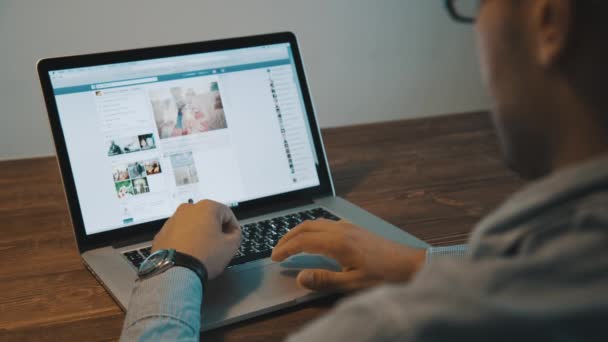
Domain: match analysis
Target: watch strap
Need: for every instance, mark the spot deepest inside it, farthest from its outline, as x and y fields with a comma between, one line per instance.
x=192, y=263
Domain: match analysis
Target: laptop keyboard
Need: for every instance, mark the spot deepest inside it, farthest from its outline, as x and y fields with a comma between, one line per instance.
x=259, y=238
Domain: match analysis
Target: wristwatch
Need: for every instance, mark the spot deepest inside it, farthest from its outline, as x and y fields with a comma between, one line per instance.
x=163, y=259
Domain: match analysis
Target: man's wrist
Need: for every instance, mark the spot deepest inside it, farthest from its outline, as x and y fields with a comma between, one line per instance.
x=162, y=260
x=417, y=260
x=408, y=263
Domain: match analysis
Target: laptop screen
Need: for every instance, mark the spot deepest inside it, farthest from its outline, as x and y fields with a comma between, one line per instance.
x=145, y=136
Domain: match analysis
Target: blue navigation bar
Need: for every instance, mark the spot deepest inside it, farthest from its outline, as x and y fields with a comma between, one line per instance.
x=170, y=77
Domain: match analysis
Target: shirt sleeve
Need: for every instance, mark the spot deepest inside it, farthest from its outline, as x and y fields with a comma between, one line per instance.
x=166, y=307
x=400, y=312
x=454, y=252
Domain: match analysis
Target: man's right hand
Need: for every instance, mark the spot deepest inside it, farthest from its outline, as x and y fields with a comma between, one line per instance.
x=366, y=259
x=206, y=230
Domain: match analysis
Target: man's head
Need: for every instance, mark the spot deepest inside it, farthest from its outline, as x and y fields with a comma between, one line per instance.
x=543, y=62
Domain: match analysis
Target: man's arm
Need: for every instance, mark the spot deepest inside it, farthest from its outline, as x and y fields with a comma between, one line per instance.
x=440, y=304
x=167, y=307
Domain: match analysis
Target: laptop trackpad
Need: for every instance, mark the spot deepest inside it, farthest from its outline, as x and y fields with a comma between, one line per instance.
x=280, y=282
x=302, y=261
x=238, y=293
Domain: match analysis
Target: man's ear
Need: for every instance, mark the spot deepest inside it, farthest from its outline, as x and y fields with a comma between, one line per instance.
x=552, y=23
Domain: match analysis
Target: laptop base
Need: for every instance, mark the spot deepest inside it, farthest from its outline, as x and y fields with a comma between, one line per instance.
x=251, y=289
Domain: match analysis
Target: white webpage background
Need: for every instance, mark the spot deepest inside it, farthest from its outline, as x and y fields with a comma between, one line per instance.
x=257, y=135
x=254, y=154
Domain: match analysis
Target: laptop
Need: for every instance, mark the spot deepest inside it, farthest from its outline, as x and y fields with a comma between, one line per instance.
x=139, y=132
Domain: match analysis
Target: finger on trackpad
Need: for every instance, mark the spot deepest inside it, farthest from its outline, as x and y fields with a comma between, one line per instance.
x=301, y=261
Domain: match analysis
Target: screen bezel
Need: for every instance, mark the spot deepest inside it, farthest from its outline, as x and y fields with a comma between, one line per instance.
x=87, y=242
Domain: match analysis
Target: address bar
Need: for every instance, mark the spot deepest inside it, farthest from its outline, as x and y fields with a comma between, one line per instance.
x=173, y=64
x=124, y=83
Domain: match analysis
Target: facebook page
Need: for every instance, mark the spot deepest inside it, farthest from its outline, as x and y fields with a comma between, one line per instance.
x=144, y=137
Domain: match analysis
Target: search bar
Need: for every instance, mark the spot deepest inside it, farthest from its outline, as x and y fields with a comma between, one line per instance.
x=124, y=83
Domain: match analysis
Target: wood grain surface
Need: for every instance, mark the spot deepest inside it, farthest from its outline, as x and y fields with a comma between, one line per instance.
x=434, y=177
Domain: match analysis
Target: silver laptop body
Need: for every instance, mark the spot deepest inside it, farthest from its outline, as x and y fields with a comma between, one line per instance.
x=137, y=132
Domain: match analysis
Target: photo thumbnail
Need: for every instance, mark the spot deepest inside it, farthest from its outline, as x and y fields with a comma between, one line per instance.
x=123, y=145
x=124, y=189
x=120, y=173
x=136, y=170
x=131, y=179
x=152, y=167
x=184, y=169
x=186, y=110
x=140, y=186
x=146, y=141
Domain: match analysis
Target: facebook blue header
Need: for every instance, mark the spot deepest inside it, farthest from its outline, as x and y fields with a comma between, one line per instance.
x=168, y=69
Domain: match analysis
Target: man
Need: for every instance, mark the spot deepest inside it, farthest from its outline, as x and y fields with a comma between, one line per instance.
x=537, y=269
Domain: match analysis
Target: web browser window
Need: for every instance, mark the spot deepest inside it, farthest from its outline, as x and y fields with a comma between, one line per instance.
x=146, y=136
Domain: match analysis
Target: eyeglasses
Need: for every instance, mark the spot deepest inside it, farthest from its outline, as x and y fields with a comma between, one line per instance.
x=464, y=11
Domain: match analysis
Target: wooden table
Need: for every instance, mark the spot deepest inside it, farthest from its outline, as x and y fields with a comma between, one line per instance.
x=434, y=177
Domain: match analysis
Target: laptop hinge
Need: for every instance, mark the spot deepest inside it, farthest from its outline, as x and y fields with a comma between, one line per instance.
x=134, y=240
x=273, y=208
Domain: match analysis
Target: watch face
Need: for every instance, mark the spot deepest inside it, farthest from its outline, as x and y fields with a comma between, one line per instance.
x=153, y=262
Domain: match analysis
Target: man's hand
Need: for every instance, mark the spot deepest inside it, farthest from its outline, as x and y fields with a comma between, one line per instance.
x=366, y=259
x=206, y=230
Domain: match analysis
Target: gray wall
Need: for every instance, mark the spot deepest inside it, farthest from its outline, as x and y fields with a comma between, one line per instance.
x=367, y=60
